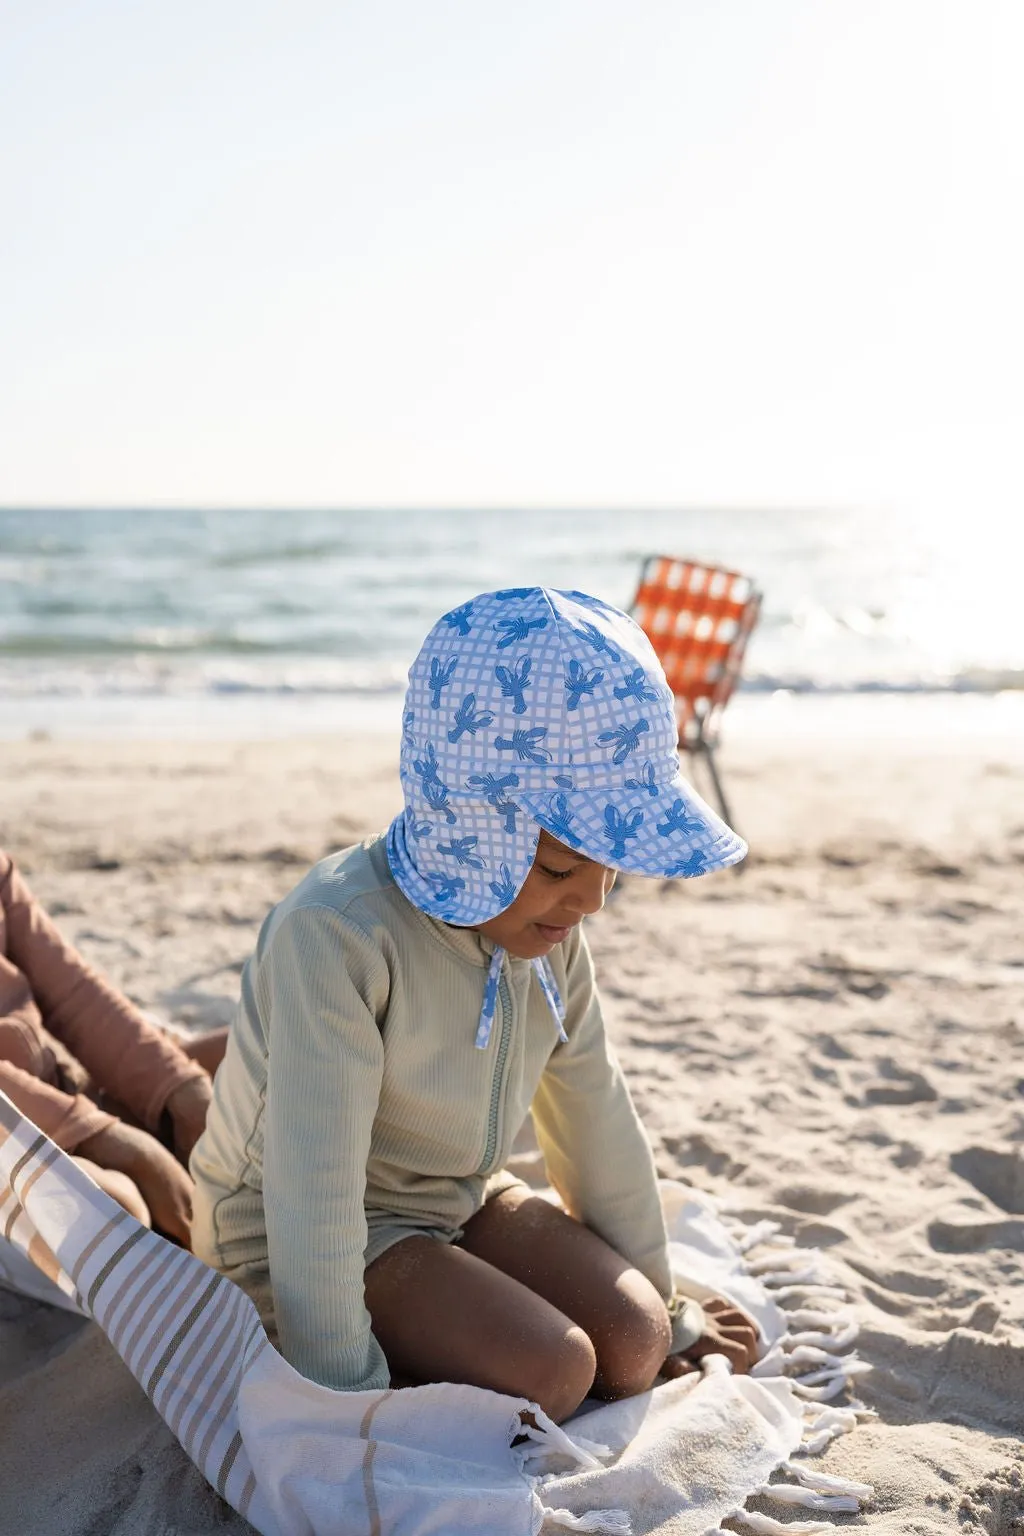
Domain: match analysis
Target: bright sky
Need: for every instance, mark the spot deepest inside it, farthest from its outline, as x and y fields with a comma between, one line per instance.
x=457, y=252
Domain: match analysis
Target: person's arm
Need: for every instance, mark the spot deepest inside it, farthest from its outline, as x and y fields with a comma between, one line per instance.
x=125, y=1055
x=75, y=1124
x=599, y=1160
x=67, y=1118
x=323, y=987
x=595, y=1150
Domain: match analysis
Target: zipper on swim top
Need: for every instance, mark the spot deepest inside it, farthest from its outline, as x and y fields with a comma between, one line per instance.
x=504, y=1033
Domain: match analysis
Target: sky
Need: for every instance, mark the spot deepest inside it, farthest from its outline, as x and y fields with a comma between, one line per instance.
x=549, y=253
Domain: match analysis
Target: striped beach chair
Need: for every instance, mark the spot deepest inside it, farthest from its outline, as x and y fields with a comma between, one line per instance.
x=699, y=619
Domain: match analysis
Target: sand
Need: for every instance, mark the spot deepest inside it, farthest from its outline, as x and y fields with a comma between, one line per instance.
x=832, y=1037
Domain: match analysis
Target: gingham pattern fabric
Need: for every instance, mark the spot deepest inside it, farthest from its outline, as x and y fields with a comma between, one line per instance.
x=529, y=708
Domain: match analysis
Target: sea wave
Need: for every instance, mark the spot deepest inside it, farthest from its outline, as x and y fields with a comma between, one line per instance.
x=319, y=677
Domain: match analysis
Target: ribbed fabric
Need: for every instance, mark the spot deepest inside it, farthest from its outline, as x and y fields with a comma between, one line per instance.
x=352, y=1085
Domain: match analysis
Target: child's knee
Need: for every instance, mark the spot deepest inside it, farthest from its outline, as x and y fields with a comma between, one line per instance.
x=632, y=1354
x=562, y=1375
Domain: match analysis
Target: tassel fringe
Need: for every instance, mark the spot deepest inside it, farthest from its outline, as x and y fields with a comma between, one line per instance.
x=614, y=1522
x=764, y=1525
x=816, y=1357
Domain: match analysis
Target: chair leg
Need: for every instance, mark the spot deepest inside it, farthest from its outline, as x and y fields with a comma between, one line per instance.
x=706, y=748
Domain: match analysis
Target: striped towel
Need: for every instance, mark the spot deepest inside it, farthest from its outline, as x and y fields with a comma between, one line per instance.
x=297, y=1459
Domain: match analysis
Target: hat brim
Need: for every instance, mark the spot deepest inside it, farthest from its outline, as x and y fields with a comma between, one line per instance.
x=660, y=830
x=468, y=867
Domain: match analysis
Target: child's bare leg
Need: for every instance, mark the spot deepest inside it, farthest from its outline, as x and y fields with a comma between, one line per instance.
x=441, y=1314
x=537, y=1244
x=119, y=1187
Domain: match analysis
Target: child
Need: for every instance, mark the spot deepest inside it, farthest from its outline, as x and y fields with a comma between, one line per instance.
x=64, y=1029
x=415, y=996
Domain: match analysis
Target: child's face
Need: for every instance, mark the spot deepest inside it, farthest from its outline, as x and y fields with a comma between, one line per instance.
x=562, y=888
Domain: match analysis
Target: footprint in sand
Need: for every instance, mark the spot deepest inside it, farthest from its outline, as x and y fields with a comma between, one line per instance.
x=814, y=1199
x=897, y=1085
x=967, y=1378
x=951, y=1236
x=999, y=1175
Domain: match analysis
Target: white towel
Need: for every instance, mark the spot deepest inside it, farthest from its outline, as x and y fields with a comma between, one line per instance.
x=297, y=1459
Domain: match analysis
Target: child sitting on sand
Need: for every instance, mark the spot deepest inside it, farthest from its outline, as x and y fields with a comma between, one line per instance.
x=78, y=1058
x=415, y=996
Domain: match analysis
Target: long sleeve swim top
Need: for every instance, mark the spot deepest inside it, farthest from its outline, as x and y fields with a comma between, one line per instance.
x=352, y=1086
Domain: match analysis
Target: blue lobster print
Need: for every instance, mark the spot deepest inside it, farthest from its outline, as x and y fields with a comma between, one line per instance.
x=461, y=850
x=426, y=766
x=626, y=737
x=435, y=793
x=493, y=790
x=514, y=681
x=594, y=637
x=696, y=864
x=459, y=618
x=507, y=593
x=420, y=828
x=516, y=629
x=619, y=829
x=490, y=786
x=408, y=721
x=560, y=819
x=469, y=719
x=525, y=745
x=579, y=681
x=676, y=820
x=634, y=686
x=440, y=677
x=646, y=781
x=503, y=888
x=446, y=887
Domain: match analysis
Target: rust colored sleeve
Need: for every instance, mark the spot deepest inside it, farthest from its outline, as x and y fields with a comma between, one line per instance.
x=126, y=1056
x=67, y=1118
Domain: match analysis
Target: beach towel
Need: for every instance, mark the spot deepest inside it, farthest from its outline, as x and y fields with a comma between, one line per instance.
x=297, y=1459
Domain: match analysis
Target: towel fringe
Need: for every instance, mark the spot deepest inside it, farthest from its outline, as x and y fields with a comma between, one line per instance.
x=764, y=1525
x=792, y=1493
x=603, y=1522
x=825, y=1292
x=814, y=1357
x=544, y=1440
x=822, y=1426
x=825, y=1482
x=812, y=1317
x=846, y=1371
x=833, y=1339
x=748, y=1237
x=776, y=1259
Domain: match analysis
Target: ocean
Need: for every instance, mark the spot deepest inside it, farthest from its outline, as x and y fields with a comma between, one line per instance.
x=266, y=622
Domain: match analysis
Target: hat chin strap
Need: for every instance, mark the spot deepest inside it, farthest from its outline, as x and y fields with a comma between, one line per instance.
x=548, y=985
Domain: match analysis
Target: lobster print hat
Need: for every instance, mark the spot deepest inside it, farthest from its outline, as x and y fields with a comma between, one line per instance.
x=532, y=708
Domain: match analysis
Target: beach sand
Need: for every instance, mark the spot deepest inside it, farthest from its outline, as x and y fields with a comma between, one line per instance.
x=832, y=1038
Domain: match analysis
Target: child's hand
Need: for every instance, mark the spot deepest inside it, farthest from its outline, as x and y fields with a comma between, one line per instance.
x=162, y=1181
x=728, y=1331
x=187, y=1107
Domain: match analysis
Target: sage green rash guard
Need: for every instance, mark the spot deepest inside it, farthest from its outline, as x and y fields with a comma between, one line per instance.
x=352, y=1087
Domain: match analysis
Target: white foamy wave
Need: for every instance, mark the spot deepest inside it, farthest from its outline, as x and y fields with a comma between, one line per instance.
x=320, y=677
x=143, y=677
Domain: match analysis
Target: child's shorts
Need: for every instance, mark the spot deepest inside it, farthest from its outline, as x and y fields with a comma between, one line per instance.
x=384, y=1230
